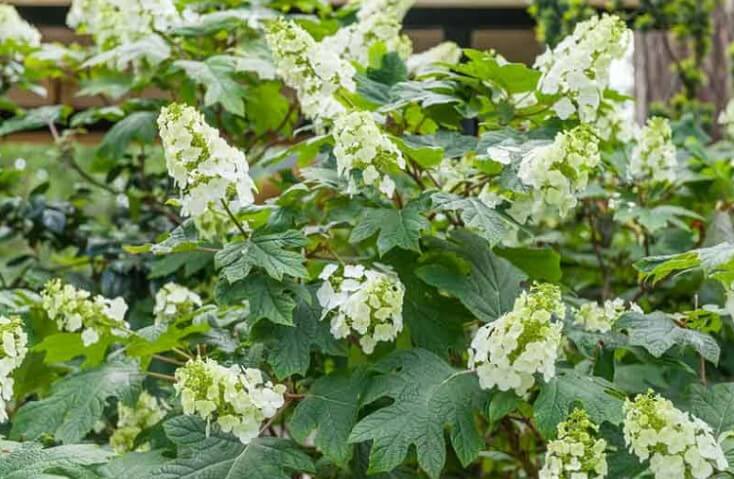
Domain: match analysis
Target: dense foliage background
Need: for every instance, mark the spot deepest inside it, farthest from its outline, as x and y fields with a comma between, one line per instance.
x=302, y=250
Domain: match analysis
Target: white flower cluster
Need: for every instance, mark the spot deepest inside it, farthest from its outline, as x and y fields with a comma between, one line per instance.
x=615, y=122
x=396, y=8
x=13, y=349
x=131, y=421
x=676, y=443
x=601, y=318
x=75, y=309
x=366, y=302
x=577, y=453
x=558, y=172
x=355, y=41
x=117, y=22
x=315, y=72
x=238, y=399
x=424, y=62
x=508, y=352
x=359, y=144
x=577, y=69
x=726, y=119
x=16, y=30
x=206, y=169
x=173, y=301
x=654, y=156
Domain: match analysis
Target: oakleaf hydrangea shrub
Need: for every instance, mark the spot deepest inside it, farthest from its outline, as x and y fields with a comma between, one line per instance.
x=303, y=250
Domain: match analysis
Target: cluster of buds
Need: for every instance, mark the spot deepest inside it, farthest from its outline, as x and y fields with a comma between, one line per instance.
x=237, y=399
x=76, y=310
x=13, y=349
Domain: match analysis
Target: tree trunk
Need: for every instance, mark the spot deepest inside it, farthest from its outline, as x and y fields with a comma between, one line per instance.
x=657, y=51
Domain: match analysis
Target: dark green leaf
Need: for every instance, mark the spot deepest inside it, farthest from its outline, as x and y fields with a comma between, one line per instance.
x=289, y=347
x=430, y=396
x=397, y=228
x=465, y=267
x=540, y=264
x=329, y=410
x=30, y=460
x=77, y=402
x=139, y=126
x=222, y=456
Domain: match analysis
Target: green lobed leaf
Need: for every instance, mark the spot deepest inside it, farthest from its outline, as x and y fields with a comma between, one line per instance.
x=657, y=333
x=266, y=251
x=62, y=347
x=465, y=267
x=397, y=228
x=329, y=411
x=223, y=456
x=77, y=402
x=714, y=404
x=268, y=298
x=30, y=460
x=289, y=347
x=710, y=259
x=430, y=396
x=488, y=222
x=215, y=74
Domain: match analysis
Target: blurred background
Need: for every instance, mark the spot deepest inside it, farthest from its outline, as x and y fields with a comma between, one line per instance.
x=680, y=62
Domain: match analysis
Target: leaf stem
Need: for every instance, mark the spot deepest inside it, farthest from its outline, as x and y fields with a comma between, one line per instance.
x=234, y=218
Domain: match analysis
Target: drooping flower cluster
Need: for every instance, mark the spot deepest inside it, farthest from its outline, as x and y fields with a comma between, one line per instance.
x=15, y=30
x=117, y=22
x=364, y=302
x=237, y=399
x=577, y=453
x=359, y=144
x=207, y=170
x=601, y=318
x=355, y=41
x=577, y=69
x=654, y=156
x=508, y=352
x=13, y=349
x=676, y=443
x=173, y=301
x=131, y=421
x=315, y=72
x=75, y=309
x=429, y=60
x=558, y=172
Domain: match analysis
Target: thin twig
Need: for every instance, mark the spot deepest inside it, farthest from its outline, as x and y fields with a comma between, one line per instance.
x=168, y=360
x=164, y=377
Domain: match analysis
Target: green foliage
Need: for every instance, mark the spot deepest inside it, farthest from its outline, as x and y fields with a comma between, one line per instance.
x=77, y=402
x=343, y=323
